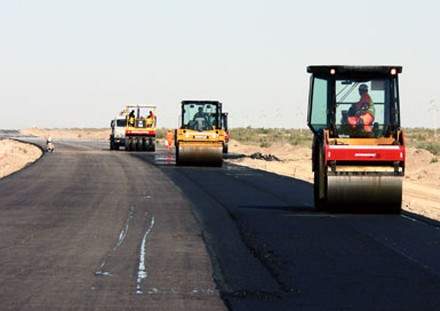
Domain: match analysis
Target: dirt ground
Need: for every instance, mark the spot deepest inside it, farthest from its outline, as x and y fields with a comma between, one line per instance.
x=15, y=155
x=420, y=187
x=81, y=134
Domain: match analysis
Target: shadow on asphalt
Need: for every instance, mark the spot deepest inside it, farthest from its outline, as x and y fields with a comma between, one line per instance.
x=271, y=250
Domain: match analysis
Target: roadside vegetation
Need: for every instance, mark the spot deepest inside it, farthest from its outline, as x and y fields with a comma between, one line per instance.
x=423, y=138
x=265, y=137
x=420, y=138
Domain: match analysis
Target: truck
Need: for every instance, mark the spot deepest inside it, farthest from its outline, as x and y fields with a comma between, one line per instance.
x=117, y=136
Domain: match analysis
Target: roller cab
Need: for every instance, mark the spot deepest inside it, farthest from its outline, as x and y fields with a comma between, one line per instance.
x=358, y=150
x=200, y=138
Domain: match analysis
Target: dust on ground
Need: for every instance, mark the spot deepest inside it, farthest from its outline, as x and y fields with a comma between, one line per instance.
x=15, y=155
x=68, y=134
x=420, y=186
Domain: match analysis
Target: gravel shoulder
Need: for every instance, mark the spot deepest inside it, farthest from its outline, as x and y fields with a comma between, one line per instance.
x=16, y=155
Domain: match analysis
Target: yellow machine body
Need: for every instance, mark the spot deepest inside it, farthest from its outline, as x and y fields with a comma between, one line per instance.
x=199, y=147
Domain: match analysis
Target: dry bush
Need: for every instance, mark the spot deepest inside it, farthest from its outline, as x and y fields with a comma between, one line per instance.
x=265, y=137
x=423, y=138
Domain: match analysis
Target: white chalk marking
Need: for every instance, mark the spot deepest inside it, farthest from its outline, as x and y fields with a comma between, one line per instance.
x=121, y=238
x=142, y=271
x=124, y=231
x=173, y=291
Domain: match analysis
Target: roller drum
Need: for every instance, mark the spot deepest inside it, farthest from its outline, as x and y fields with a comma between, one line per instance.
x=200, y=155
x=365, y=191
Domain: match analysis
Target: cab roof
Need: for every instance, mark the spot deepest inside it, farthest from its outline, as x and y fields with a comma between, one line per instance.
x=353, y=70
x=200, y=102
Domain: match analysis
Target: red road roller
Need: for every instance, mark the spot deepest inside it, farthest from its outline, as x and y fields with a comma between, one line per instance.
x=358, y=150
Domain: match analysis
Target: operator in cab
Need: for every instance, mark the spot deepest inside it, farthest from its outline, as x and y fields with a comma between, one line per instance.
x=201, y=121
x=361, y=114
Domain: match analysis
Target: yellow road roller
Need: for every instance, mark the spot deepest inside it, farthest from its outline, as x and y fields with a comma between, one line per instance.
x=358, y=150
x=200, y=138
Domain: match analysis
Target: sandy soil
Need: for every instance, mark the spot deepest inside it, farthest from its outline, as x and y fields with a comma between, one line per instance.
x=15, y=155
x=420, y=187
x=81, y=134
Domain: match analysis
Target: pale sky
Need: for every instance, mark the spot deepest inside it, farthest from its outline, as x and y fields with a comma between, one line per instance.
x=77, y=63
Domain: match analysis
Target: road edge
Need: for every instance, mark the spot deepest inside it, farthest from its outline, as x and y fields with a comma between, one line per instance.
x=28, y=164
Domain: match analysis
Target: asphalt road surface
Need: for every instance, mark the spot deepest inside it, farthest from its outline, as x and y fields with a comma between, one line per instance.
x=86, y=228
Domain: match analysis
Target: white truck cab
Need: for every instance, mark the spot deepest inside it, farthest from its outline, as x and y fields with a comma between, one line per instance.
x=117, y=137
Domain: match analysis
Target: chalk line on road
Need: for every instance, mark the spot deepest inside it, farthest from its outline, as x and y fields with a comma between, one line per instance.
x=142, y=271
x=121, y=238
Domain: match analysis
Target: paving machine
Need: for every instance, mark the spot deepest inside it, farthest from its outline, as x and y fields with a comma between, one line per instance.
x=135, y=128
x=358, y=150
x=200, y=138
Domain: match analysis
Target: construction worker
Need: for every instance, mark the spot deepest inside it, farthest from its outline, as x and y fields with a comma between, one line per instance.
x=170, y=139
x=151, y=119
x=361, y=114
x=131, y=118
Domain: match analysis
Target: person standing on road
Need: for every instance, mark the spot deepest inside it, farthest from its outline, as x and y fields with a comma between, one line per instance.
x=170, y=139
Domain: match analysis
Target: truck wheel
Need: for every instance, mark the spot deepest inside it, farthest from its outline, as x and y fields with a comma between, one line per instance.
x=150, y=145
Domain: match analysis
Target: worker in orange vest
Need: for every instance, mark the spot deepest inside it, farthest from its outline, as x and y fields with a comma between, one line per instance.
x=170, y=139
x=362, y=113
